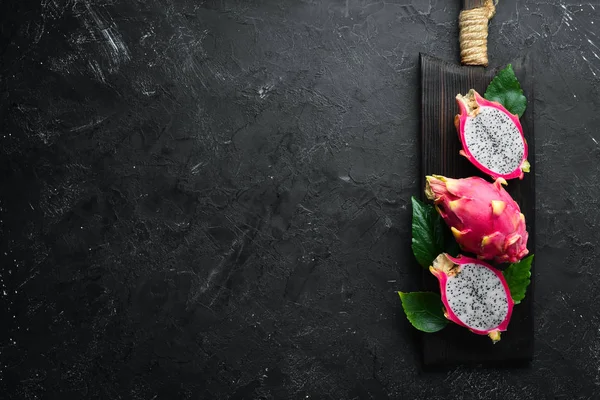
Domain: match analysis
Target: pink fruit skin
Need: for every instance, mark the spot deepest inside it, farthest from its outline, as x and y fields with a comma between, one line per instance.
x=443, y=277
x=484, y=218
x=460, y=121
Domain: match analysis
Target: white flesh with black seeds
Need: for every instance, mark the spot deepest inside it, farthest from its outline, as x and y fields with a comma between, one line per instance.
x=477, y=297
x=494, y=141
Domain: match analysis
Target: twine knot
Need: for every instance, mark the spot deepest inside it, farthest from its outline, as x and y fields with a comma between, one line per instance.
x=473, y=26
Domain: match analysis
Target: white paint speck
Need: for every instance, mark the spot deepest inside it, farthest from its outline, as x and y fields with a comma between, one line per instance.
x=116, y=48
x=264, y=90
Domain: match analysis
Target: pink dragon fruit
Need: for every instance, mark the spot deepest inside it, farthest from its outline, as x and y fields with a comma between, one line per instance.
x=483, y=217
x=475, y=295
x=492, y=138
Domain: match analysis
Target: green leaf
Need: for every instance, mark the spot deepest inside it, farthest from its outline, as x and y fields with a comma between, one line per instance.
x=428, y=235
x=518, y=277
x=506, y=90
x=424, y=310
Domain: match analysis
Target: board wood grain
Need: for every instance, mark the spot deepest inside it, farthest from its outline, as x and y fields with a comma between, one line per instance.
x=440, y=83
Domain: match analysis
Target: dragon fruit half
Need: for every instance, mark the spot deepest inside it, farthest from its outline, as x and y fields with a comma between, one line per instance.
x=492, y=138
x=475, y=295
x=483, y=217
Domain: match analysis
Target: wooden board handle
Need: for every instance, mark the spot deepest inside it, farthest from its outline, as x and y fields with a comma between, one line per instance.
x=473, y=26
x=470, y=4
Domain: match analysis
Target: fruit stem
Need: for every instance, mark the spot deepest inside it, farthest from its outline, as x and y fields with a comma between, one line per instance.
x=495, y=336
x=469, y=103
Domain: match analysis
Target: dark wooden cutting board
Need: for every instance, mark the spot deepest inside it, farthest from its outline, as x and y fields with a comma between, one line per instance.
x=440, y=83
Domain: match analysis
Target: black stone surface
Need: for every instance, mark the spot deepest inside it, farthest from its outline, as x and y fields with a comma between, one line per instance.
x=211, y=199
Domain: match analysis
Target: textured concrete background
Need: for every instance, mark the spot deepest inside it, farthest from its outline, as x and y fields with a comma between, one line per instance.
x=211, y=199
